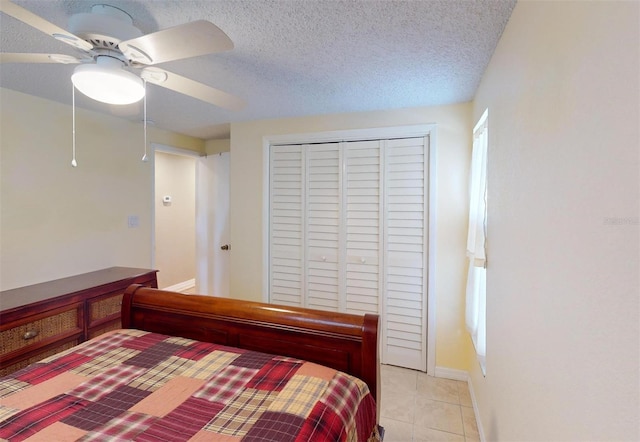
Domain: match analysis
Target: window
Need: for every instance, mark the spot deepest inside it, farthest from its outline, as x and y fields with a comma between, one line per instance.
x=476, y=241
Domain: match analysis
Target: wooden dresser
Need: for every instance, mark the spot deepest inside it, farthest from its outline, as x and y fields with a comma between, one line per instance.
x=40, y=320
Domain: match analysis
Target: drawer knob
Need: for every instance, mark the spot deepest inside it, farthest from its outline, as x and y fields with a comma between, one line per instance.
x=30, y=334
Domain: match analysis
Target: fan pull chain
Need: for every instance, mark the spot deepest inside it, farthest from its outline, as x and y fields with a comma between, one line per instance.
x=144, y=83
x=74, y=163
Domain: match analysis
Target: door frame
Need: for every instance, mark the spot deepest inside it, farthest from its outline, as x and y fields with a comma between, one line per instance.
x=410, y=131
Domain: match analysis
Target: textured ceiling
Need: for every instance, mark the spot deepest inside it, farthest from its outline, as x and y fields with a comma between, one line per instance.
x=291, y=57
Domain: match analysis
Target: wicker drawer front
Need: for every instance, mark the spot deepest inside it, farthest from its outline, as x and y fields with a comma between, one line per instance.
x=18, y=365
x=32, y=332
x=105, y=307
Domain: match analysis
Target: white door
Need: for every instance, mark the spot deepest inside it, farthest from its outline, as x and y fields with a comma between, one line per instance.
x=349, y=233
x=212, y=225
x=286, y=235
x=322, y=227
x=406, y=228
x=362, y=222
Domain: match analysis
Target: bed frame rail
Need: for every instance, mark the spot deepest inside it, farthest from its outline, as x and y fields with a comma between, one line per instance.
x=346, y=342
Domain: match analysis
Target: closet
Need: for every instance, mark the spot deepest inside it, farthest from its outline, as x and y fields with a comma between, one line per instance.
x=348, y=229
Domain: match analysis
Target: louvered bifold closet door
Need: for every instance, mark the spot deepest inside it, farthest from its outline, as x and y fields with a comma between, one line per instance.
x=287, y=202
x=363, y=231
x=324, y=195
x=406, y=209
x=349, y=232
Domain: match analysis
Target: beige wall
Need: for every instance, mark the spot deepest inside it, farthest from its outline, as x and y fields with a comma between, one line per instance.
x=217, y=146
x=563, y=260
x=57, y=221
x=175, y=222
x=453, y=152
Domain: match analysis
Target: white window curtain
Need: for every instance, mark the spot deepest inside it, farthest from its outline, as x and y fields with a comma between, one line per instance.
x=476, y=239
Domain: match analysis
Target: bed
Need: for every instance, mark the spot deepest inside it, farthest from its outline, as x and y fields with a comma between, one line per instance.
x=195, y=368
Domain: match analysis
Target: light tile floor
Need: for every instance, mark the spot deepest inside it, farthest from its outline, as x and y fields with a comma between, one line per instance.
x=416, y=407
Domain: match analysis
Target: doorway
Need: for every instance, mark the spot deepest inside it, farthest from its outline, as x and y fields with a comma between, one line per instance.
x=175, y=220
x=191, y=221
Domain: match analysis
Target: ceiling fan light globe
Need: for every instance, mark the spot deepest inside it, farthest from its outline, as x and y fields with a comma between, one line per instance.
x=108, y=85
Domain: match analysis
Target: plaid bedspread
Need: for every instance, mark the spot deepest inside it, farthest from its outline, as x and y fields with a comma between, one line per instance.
x=135, y=385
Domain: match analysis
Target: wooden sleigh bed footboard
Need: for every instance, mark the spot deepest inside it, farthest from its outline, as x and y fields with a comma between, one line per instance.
x=189, y=367
x=345, y=342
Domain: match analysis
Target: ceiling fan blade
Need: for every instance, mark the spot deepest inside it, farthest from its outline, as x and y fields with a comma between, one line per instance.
x=183, y=41
x=192, y=88
x=37, y=22
x=7, y=57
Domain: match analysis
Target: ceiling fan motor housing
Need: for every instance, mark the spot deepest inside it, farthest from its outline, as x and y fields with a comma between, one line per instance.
x=104, y=27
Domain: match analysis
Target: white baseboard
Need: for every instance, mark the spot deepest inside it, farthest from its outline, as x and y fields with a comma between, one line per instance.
x=461, y=375
x=182, y=286
x=475, y=410
x=451, y=373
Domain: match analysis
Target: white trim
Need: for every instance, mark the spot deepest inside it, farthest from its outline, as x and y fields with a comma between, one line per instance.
x=342, y=233
x=451, y=373
x=383, y=240
x=433, y=227
x=476, y=412
x=157, y=147
x=266, y=216
x=151, y=158
x=383, y=237
x=375, y=133
x=182, y=286
x=304, y=210
x=420, y=130
x=482, y=121
x=202, y=231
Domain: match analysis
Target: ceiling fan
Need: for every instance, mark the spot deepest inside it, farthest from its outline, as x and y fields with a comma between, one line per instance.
x=117, y=58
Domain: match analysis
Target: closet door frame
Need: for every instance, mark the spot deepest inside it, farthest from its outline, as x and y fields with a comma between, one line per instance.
x=359, y=135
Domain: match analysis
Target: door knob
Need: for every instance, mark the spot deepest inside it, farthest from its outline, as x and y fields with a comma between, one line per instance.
x=225, y=247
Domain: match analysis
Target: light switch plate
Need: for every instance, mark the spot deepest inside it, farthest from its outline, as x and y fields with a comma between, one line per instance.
x=133, y=221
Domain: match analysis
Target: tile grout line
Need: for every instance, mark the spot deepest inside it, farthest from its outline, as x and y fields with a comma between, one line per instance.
x=454, y=399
